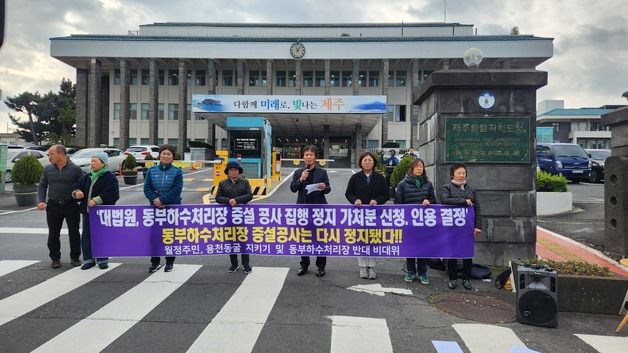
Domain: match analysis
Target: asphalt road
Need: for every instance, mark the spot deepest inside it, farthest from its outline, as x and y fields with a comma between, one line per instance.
x=200, y=305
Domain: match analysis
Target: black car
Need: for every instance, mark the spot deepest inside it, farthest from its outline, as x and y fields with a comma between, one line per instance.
x=598, y=157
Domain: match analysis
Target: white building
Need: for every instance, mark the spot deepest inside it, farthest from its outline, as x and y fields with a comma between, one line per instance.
x=135, y=80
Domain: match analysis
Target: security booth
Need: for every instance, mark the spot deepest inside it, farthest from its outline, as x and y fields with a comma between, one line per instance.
x=250, y=140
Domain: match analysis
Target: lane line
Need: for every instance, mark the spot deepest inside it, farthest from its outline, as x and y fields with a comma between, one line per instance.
x=359, y=334
x=29, y=299
x=481, y=338
x=447, y=347
x=239, y=323
x=16, y=230
x=288, y=177
x=97, y=331
x=606, y=344
x=8, y=266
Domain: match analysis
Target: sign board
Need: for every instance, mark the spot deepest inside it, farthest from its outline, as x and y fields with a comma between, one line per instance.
x=487, y=140
x=288, y=104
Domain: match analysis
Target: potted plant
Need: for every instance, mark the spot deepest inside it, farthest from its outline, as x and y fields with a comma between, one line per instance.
x=26, y=174
x=551, y=194
x=129, y=170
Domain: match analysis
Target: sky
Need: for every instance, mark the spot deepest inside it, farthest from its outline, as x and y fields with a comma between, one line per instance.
x=589, y=67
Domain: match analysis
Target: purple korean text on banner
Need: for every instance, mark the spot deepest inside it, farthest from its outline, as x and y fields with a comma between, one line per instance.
x=435, y=231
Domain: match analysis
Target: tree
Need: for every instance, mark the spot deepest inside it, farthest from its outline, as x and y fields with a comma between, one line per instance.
x=514, y=31
x=51, y=117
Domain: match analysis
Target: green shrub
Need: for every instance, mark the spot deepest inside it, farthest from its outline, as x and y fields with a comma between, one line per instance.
x=549, y=182
x=177, y=156
x=149, y=157
x=574, y=267
x=400, y=171
x=130, y=164
x=391, y=144
x=27, y=171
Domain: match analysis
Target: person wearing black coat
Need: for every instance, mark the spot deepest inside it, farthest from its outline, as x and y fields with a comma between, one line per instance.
x=311, y=175
x=99, y=187
x=415, y=188
x=367, y=187
x=458, y=192
x=235, y=191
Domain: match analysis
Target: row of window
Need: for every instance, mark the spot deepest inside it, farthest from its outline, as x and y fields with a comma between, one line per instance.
x=173, y=111
x=283, y=78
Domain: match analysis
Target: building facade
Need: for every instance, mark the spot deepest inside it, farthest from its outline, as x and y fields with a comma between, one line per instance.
x=137, y=88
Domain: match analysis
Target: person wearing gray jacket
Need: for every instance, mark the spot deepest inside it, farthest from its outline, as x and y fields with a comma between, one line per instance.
x=458, y=192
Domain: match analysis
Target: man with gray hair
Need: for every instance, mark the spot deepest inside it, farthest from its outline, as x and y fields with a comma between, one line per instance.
x=56, y=181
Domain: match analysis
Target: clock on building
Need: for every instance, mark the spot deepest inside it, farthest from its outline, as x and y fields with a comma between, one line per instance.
x=297, y=50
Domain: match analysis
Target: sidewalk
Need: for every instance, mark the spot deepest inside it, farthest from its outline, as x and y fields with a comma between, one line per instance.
x=553, y=246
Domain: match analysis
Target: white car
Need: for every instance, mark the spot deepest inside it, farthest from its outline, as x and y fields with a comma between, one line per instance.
x=141, y=151
x=16, y=154
x=83, y=158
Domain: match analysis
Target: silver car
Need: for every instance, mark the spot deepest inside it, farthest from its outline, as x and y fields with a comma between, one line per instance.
x=83, y=158
x=16, y=154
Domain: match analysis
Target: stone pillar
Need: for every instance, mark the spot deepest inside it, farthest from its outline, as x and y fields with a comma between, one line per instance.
x=414, y=109
x=269, y=77
x=384, y=85
x=355, y=79
x=298, y=84
x=94, y=116
x=327, y=77
x=357, y=146
x=125, y=84
x=326, y=141
x=241, y=71
x=183, y=108
x=616, y=185
x=211, y=89
x=505, y=182
x=153, y=102
x=81, y=107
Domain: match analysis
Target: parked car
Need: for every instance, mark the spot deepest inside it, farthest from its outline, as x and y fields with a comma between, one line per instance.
x=598, y=157
x=141, y=151
x=83, y=158
x=567, y=159
x=16, y=154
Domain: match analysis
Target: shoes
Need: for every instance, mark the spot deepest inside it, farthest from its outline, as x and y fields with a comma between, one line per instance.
x=55, y=264
x=247, y=269
x=372, y=274
x=364, y=272
x=320, y=272
x=424, y=279
x=168, y=267
x=452, y=284
x=301, y=271
x=76, y=262
x=154, y=268
x=409, y=277
x=233, y=268
x=467, y=284
x=102, y=265
x=88, y=265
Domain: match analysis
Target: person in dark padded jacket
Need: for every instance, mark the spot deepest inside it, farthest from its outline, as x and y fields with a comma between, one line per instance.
x=458, y=192
x=415, y=188
x=99, y=187
x=234, y=191
x=367, y=187
x=162, y=186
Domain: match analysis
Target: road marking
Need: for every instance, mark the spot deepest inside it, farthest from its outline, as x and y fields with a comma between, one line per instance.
x=97, y=331
x=288, y=177
x=8, y=266
x=359, y=334
x=15, y=230
x=21, y=303
x=606, y=344
x=377, y=289
x=447, y=347
x=502, y=339
x=238, y=324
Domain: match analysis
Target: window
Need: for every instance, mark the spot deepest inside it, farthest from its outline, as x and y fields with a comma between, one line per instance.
x=372, y=143
x=173, y=111
x=292, y=78
x=347, y=77
x=173, y=77
x=257, y=78
x=320, y=79
x=116, y=111
x=173, y=142
x=133, y=111
x=116, y=77
x=334, y=78
x=373, y=79
x=280, y=77
x=144, y=113
x=160, y=141
x=200, y=78
x=162, y=78
x=595, y=126
x=116, y=141
x=400, y=78
x=134, y=79
x=189, y=78
x=189, y=112
x=396, y=113
x=426, y=73
x=308, y=78
x=144, y=141
x=161, y=111
x=227, y=78
x=362, y=79
x=145, y=77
